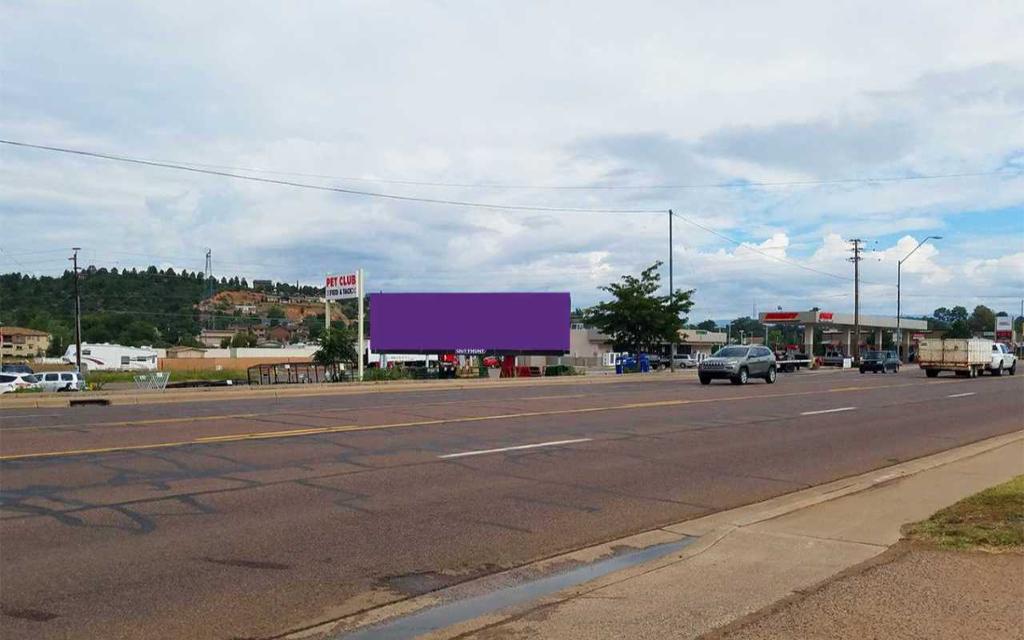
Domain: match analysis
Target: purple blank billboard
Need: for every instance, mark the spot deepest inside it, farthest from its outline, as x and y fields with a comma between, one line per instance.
x=470, y=323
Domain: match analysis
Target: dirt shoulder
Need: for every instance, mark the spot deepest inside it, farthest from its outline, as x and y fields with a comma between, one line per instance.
x=958, y=574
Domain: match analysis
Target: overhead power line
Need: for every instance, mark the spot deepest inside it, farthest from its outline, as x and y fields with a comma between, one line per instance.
x=743, y=184
x=317, y=187
x=755, y=249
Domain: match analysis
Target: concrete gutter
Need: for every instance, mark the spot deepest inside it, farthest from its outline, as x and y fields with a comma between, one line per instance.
x=740, y=560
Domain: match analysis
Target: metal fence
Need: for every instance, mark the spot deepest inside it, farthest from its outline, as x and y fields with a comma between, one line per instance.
x=295, y=373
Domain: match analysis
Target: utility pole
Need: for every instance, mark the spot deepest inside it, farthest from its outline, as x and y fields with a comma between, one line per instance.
x=856, y=242
x=671, y=290
x=78, y=312
x=208, y=289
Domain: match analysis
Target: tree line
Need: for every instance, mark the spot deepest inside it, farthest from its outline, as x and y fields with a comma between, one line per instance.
x=132, y=307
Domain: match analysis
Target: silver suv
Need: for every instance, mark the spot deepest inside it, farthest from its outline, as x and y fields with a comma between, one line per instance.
x=739, y=363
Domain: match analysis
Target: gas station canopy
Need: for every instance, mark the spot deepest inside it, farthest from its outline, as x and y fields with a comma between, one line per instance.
x=840, y=319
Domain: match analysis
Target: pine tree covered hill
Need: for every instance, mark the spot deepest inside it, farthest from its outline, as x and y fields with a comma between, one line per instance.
x=129, y=306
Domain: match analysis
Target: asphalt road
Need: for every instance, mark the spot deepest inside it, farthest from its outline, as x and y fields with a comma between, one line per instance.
x=247, y=519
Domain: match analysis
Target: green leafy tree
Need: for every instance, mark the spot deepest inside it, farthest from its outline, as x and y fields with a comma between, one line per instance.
x=748, y=326
x=958, y=329
x=244, y=340
x=637, y=318
x=943, y=318
x=708, y=325
x=275, y=314
x=337, y=346
x=982, y=319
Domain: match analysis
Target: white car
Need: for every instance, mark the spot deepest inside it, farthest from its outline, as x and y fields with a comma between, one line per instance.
x=61, y=381
x=684, y=361
x=14, y=381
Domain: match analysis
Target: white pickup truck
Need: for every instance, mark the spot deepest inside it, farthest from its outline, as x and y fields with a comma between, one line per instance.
x=966, y=357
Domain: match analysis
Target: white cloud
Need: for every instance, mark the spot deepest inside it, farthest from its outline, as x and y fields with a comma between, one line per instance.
x=572, y=93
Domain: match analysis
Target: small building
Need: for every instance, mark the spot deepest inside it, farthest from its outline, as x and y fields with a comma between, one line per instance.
x=182, y=352
x=279, y=333
x=22, y=342
x=700, y=342
x=213, y=337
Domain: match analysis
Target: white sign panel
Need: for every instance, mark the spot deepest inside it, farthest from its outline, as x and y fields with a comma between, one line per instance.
x=1004, y=326
x=342, y=287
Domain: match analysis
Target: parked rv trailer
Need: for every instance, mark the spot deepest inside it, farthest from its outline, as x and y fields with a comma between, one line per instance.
x=113, y=357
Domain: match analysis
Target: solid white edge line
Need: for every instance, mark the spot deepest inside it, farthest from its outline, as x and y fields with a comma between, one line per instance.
x=553, y=443
x=814, y=413
x=961, y=395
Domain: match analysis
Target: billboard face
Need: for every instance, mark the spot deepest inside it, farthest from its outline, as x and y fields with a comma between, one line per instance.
x=470, y=323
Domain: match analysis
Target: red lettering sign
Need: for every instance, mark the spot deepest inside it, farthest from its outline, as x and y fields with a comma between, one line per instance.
x=781, y=316
x=825, y=316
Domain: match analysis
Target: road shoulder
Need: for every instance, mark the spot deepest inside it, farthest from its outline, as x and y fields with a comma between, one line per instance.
x=743, y=560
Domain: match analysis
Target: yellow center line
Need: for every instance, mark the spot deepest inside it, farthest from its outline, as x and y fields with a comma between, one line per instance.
x=551, y=397
x=423, y=423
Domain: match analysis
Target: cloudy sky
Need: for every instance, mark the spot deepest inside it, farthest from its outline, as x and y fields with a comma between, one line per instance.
x=755, y=122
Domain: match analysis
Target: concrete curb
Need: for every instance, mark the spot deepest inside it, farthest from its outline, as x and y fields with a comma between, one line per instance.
x=708, y=530
x=302, y=391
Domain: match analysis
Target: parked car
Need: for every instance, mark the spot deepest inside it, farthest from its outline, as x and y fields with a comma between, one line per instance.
x=15, y=381
x=833, y=359
x=16, y=367
x=684, y=361
x=880, y=362
x=61, y=381
x=738, y=364
x=656, y=361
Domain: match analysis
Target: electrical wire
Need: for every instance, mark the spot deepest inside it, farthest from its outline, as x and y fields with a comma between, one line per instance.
x=306, y=185
x=543, y=187
x=764, y=253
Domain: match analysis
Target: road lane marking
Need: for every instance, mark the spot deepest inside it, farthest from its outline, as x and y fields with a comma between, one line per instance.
x=553, y=443
x=230, y=416
x=182, y=443
x=439, y=421
x=961, y=395
x=815, y=413
x=566, y=397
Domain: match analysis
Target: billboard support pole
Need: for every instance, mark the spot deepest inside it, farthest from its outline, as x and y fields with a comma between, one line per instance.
x=361, y=288
x=327, y=315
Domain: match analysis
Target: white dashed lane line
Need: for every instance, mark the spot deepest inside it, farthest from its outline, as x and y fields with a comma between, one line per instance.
x=553, y=443
x=961, y=395
x=815, y=413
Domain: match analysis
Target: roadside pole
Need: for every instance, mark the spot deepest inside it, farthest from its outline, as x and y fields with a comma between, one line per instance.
x=78, y=314
x=362, y=345
x=672, y=345
x=327, y=313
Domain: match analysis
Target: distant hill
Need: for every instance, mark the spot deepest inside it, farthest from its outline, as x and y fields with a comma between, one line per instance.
x=130, y=306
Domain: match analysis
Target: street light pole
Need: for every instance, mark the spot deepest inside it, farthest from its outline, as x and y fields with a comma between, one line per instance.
x=899, y=294
x=672, y=346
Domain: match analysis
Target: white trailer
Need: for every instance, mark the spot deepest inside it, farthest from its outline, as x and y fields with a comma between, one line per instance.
x=113, y=357
x=968, y=357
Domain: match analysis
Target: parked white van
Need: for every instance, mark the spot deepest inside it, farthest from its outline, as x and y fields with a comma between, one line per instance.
x=113, y=357
x=60, y=381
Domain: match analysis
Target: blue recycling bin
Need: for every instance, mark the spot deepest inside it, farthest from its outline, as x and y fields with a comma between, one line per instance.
x=618, y=368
